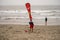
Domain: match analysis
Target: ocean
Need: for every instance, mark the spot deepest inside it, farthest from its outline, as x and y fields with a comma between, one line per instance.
x=19, y=15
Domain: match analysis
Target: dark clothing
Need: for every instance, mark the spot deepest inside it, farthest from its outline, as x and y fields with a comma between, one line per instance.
x=46, y=19
x=31, y=24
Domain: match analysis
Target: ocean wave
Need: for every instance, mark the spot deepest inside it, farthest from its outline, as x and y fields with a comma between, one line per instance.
x=25, y=11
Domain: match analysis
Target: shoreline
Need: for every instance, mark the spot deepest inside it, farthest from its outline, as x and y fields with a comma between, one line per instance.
x=28, y=25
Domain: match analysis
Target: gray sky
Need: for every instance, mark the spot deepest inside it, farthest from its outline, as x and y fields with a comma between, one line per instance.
x=33, y=2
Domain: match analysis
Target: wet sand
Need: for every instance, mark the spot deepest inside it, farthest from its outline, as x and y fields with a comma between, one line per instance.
x=18, y=32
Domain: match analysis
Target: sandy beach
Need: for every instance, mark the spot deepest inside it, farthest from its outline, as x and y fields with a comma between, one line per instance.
x=18, y=32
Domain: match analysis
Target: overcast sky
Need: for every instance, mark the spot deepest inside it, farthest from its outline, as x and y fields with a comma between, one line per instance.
x=33, y=2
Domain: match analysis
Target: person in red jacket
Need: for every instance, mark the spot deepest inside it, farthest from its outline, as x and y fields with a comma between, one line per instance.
x=31, y=26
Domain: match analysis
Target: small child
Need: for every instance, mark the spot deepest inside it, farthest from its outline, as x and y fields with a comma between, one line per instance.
x=31, y=26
